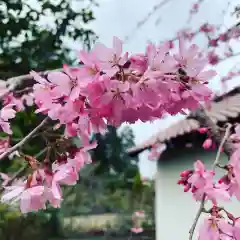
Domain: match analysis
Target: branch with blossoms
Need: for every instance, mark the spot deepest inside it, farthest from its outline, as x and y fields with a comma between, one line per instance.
x=109, y=88
x=204, y=188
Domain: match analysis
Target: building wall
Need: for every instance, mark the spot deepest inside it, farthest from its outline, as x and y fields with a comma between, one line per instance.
x=175, y=210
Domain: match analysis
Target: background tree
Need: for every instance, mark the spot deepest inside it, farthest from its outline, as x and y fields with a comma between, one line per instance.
x=33, y=36
x=111, y=155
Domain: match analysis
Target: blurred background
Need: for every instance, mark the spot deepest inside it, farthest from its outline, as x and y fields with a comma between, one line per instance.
x=45, y=34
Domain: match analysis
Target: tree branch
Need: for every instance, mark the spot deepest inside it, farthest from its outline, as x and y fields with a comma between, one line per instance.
x=199, y=212
x=24, y=140
x=222, y=141
x=226, y=135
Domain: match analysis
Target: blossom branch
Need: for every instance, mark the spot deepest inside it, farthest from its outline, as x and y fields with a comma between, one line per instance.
x=204, y=119
x=24, y=140
x=199, y=212
x=226, y=135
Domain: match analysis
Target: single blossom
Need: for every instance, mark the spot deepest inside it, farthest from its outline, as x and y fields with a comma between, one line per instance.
x=207, y=143
x=215, y=228
x=201, y=177
x=111, y=59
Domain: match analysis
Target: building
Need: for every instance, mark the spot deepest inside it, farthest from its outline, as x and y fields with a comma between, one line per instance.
x=175, y=210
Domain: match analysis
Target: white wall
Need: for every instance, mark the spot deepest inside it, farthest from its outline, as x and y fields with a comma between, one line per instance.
x=175, y=210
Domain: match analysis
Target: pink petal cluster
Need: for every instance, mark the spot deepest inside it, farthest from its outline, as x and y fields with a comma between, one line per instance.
x=200, y=182
x=44, y=185
x=12, y=105
x=207, y=143
x=216, y=227
x=111, y=87
x=7, y=113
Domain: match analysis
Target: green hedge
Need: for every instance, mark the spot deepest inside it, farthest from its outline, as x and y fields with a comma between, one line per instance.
x=14, y=225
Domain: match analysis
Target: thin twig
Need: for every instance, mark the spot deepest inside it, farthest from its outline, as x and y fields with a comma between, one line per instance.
x=226, y=135
x=199, y=212
x=24, y=140
x=205, y=120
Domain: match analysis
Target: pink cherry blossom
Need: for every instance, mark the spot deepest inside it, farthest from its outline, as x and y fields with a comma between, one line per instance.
x=7, y=112
x=207, y=143
x=32, y=199
x=215, y=228
x=203, y=130
x=65, y=174
x=13, y=193
x=201, y=176
x=110, y=59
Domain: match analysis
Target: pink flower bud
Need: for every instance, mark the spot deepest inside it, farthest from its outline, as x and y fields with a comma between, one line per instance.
x=203, y=130
x=185, y=173
x=171, y=44
x=180, y=182
x=223, y=37
x=187, y=187
x=207, y=143
x=194, y=189
x=213, y=43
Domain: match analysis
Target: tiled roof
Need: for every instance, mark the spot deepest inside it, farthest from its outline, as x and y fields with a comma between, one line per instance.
x=222, y=109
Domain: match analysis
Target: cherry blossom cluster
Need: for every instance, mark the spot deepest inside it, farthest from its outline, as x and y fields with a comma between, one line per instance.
x=220, y=226
x=44, y=184
x=108, y=88
x=112, y=87
x=201, y=183
x=12, y=105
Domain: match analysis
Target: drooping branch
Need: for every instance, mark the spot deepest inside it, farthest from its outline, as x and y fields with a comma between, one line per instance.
x=199, y=212
x=24, y=140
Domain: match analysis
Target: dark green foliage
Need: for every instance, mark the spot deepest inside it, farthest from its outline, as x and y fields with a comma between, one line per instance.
x=13, y=225
x=112, y=157
x=27, y=43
